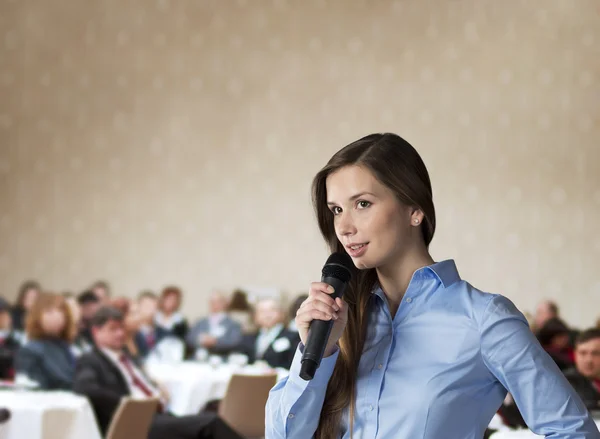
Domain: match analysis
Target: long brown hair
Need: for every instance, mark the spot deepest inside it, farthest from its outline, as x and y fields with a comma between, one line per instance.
x=397, y=165
x=45, y=302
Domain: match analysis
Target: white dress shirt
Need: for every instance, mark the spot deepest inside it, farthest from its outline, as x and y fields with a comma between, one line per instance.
x=265, y=338
x=134, y=390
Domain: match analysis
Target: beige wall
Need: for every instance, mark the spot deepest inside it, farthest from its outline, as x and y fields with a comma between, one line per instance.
x=174, y=141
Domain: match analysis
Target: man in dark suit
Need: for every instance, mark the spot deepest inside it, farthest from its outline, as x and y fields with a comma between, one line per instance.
x=107, y=373
x=585, y=377
x=273, y=343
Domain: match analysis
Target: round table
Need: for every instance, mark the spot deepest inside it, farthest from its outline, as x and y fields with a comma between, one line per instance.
x=47, y=415
x=192, y=384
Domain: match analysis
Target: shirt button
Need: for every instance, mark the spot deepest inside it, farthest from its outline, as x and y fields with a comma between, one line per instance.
x=380, y=366
x=408, y=300
x=291, y=416
x=371, y=408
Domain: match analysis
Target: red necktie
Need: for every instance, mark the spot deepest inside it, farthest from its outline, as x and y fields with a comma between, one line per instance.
x=134, y=378
x=596, y=384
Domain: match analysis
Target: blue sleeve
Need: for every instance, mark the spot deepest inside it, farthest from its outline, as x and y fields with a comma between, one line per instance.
x=294, y=405
x=548, y=403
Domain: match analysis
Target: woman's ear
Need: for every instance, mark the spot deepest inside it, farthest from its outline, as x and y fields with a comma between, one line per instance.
x=416, y=217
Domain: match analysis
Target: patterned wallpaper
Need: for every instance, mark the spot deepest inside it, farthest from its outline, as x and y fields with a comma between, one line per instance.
x=154, y=142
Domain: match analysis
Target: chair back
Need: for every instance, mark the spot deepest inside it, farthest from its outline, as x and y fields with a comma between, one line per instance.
x=243, y=406
x=133, y=418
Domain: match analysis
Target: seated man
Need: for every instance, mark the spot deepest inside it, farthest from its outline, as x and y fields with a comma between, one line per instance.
x=106, y=374
x=216, y=334
x=273, y=343
x=585, y=376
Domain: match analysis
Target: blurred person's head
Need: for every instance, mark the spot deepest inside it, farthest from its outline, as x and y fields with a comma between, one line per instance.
x=28, y=293
x=554, y=334
x=50, y=318
x=170, y=300
x=88, y=304
x=102, y=290
x=239, y=301
x=268, y=313
x=133, y=318
x=546, y=310
x=587, y=353
x=5, y=316
x=108, y=328
x=148, y=305
x=218, y=302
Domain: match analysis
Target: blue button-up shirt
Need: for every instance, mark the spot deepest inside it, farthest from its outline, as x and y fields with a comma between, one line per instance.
x=438, y=370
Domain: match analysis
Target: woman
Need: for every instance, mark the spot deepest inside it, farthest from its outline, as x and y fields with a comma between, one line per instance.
x=28, y=293
x=415, y=352
x=168, y=319
x=240, y=311
x=47, y=358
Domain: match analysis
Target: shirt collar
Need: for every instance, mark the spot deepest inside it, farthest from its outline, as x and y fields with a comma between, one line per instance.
x=274, y=330
x=113, y=355
x=445, y=271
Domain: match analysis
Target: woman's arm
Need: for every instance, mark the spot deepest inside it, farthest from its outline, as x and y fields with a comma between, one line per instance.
x=544, y=397
x=294, y=405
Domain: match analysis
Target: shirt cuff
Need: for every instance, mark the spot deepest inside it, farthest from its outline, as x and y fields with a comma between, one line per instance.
x=323, y=373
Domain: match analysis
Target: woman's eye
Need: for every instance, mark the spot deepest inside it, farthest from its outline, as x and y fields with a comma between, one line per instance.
x=336, y=210
x=363, y=204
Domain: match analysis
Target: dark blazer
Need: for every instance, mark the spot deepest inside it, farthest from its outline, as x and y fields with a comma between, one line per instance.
x=585, y=389
x=49, y=362
x=18, y=318
x=97, y=378
x=280, y=352
x=179, y=329
x=8, y=350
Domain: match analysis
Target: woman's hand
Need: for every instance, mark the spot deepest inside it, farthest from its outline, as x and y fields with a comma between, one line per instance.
x=321, y=306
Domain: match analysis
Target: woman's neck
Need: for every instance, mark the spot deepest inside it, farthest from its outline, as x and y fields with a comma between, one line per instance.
x=395, y=277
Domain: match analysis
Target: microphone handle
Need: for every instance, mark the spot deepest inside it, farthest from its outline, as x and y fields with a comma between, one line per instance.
x=318, y=335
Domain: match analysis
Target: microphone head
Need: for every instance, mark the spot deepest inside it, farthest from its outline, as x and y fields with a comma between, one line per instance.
x=339, y=265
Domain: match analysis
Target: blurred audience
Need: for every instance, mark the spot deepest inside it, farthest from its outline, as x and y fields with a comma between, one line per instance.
x=80, y=343
x=9, y=343
x=585, y=376
x=218, y=333
x=108, y=374
x=294, y=307
x=273, y=343
x=88, y=305
x=546, y=310
x=47, y=358
x=150, y=334
x=169, y=319
x=28, y=293
x=102, y=290
x=554, y=337
x=239, y=309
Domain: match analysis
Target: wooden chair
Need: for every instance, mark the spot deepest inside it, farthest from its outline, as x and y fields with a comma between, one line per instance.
x=243, y=406
x=133, y=418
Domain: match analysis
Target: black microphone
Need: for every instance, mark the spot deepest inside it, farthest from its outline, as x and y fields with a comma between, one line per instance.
x=337, y=271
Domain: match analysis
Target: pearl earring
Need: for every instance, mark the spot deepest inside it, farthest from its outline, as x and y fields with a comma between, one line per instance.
x=416, y=220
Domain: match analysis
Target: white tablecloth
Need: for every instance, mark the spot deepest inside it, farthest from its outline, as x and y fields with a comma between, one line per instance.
x=47, y=415
x=191, y=384
x=522, y=434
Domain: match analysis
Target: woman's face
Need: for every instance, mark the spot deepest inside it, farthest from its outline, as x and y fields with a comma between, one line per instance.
x=374, y=227
x=53, y=321
x=170, y=303
x=29, y=298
